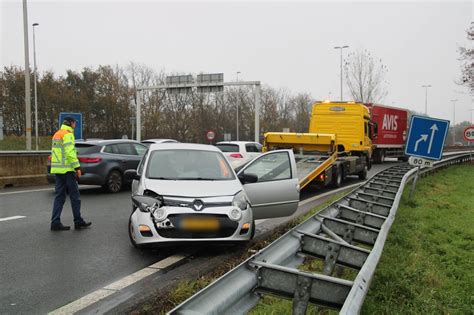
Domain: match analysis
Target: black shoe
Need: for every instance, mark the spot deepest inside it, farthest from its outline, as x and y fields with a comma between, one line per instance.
x=60, y=227
x=82, y=225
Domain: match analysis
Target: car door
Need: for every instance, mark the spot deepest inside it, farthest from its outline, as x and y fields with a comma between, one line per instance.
x=276, y=192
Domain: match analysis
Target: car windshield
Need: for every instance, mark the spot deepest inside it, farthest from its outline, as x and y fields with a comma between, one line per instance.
x=226, y=147
x=188, y=165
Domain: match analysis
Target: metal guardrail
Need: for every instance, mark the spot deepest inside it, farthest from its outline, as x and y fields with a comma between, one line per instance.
x=24, y=152
x=335, y=234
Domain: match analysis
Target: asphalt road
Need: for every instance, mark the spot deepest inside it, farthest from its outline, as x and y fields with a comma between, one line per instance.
x=43, y=270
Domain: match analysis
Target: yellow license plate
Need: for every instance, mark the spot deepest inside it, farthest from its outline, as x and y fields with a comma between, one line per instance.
x=200, y=224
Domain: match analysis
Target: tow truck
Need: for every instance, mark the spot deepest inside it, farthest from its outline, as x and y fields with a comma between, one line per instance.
x=338, y=144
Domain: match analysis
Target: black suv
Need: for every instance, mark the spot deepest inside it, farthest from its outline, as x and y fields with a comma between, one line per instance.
x=103, y=162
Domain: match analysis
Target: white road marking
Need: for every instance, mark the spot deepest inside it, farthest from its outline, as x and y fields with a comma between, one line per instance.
x=25, y=191
x=116, y=286
x=12, y=218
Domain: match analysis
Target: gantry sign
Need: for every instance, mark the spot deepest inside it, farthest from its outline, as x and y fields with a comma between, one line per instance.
x=205, y=83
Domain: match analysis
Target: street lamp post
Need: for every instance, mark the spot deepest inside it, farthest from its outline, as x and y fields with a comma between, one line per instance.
x=237, y=112
x=426, y=97
x=36, y=89
x=454, y=120
x=341, y=48
x=27, y=77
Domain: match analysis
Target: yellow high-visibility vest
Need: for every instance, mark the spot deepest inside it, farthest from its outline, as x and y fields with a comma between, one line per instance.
x=63, y=152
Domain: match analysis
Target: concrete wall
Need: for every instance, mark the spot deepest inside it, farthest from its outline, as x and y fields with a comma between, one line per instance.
x=23, y=168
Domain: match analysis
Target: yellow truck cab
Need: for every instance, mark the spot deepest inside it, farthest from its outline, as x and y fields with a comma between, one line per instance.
x=337, y=145
x=349, y=121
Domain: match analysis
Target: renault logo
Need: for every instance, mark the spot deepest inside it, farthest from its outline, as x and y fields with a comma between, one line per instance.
x=198, y=205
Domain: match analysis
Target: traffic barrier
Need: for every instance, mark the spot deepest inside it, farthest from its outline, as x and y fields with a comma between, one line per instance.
x=334, y=235
x=23, y=168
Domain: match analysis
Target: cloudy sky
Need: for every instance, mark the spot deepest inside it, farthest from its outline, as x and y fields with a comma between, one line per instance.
x=282, y=44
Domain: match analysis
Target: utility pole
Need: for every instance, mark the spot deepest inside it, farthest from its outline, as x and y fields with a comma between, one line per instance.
x=426, y=97
x=36, y=89
x=237, y=110
x=341, y=48
x=27, y=78
x=454, y=120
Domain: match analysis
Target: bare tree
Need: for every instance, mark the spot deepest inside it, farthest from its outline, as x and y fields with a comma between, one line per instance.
x=467, y=61
x=365, y=77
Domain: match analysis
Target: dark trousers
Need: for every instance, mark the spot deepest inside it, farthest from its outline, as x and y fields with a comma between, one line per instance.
x=66, y=183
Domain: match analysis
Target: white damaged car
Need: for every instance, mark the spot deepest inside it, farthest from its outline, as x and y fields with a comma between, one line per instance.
x=188, y=192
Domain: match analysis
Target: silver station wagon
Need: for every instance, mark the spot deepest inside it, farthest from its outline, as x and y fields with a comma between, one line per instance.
x=189, y=192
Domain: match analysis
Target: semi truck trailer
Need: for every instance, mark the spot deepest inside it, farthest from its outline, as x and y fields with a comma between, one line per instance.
x=391, y=125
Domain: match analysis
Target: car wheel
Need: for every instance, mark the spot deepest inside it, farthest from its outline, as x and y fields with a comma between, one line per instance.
x=114, y=182
x=363, y=173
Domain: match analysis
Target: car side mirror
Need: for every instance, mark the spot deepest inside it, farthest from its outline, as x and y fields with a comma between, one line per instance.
x=131, y=175
x=247, y=178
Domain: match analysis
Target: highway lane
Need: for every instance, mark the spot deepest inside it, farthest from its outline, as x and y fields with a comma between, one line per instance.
x=43, y=270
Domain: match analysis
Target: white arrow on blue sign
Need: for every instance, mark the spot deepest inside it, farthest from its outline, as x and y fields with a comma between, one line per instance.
x=426, y=137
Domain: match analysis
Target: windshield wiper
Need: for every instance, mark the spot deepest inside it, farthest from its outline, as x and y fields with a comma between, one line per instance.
x=163, y=178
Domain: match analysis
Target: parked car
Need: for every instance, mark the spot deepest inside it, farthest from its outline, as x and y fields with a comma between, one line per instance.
x=240, y=152
x=151, y=141
x=103, y=162
x=189, y=192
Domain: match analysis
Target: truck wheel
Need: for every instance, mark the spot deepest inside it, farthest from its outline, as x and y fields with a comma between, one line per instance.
x=363, y=173
x=114, y=182
x=382, y=156
x=337, y=179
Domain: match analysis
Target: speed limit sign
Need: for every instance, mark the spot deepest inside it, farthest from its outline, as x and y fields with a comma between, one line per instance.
x=210, y=135
x=469, y=133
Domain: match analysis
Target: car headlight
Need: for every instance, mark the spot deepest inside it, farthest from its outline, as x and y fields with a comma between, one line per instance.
x=146, y=203
x=240, y=200
x=235, y=214
x=159, y=214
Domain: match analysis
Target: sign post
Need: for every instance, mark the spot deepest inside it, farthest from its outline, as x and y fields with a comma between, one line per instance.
x=425, y=143
x=210, y=136
x=469, y=136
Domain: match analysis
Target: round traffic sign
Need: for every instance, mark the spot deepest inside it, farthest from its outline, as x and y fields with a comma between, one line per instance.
x=210, y=135
x=469, y=133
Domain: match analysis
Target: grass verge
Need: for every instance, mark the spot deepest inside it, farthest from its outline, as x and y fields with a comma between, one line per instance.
x=184, y=289
x=427, y=266
x=18, y=143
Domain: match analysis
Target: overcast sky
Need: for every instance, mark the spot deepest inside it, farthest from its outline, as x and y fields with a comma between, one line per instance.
x=282, y=44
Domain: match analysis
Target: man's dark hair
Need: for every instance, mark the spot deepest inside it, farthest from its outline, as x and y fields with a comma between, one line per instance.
x=68, y=121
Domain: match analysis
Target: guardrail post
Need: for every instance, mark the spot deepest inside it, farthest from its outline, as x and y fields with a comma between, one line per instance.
x=412, y=191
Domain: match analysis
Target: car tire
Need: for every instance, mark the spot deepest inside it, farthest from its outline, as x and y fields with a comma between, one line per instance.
x=130, y=233
x=113, y=182
x=363, y=173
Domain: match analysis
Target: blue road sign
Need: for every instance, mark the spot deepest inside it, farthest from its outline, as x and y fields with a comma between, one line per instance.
x=78, y=118
x=426, y=137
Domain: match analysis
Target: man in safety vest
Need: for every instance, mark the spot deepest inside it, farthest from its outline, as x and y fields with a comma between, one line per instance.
x=66, y=167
